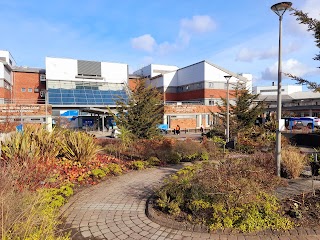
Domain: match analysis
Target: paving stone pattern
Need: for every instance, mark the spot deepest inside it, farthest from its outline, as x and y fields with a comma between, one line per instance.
x=115, y=209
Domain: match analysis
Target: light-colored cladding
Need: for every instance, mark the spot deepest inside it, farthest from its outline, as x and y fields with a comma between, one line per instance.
x=67, y=69
x=273, y=90
x=8, y=58
x=191, y=74
x=153, y=70
x=198, y=73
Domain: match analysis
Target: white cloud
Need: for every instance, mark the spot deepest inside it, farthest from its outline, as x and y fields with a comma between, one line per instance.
x=195, y=25
x=291, y=66
x=145, y=42
x=248, y=55
x=188, y=27
x=311, y=7
x=198, y=24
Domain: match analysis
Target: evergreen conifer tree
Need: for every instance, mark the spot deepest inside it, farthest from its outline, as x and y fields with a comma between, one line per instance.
x=141, y=113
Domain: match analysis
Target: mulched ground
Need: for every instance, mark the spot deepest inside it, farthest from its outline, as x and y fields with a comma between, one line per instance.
x=303, y=209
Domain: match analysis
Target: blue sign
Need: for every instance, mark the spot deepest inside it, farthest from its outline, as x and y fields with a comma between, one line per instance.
x=19, y=128
x=69, y=113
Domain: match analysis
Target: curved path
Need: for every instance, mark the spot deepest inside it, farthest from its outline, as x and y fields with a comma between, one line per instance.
x=115, y=209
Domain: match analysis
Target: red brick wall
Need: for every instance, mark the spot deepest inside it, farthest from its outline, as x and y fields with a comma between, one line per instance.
x=5, y=93
x=192, y=110
x=198, y=94
x=27, y=80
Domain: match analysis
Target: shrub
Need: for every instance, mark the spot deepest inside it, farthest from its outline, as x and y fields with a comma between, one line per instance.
x=30, y=214
x=190, y=151
x=79, y=146
x=20, y=147
x=293, y=161
x=115, y=169
x=98, y=173
x=138, y=165
x=153, y=161
x=235, y=194
x=172, y=157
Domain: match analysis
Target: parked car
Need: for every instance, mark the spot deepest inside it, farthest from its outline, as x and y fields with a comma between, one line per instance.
x=301, y=122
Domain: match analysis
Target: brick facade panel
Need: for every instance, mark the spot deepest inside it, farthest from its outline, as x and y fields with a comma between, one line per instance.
x=27, y=80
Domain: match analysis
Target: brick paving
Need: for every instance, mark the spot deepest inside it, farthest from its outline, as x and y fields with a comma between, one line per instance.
x=115, y=209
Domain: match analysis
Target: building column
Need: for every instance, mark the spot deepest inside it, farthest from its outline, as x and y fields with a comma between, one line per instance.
x=103, y=123
x=98, y=122
x=310, y=112
x=199, y=120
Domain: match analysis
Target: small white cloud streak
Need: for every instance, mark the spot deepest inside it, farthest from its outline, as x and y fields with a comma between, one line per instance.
x=248, y=55
x=291, y=66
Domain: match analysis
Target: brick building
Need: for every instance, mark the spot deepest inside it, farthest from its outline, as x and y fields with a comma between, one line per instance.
x=191, y=94
x=28, y=85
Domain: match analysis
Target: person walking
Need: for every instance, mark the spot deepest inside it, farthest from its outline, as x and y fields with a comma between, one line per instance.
x=178, y=130
x=201, y=129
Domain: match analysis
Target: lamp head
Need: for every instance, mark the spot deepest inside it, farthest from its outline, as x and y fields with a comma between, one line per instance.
x=281, y=8
x=227, y=77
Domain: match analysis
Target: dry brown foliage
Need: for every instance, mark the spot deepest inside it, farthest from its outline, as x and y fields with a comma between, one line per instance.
x=293, y=161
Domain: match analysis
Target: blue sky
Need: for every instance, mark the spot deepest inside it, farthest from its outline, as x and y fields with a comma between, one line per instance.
x=241, y=36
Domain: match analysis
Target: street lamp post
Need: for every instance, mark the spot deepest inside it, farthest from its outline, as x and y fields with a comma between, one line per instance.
x=211, y=97
x=228, y=124
x=279, y=9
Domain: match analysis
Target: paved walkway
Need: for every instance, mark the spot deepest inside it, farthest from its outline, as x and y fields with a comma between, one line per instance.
x=115, y=209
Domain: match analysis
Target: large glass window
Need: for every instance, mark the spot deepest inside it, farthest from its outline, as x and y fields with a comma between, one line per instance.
x=84, y=93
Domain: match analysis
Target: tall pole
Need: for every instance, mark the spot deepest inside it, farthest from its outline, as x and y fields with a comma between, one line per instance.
x=46, y=105
x=279, y=103
x=279, y=9
x=228, y=106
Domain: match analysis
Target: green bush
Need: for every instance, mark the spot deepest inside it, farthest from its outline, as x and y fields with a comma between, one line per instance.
x=233, y=194
x=106, y=170
x=98, y=173
x=153, y=161
x=34, y=214
x=115, y=169
x=138, y=165
x=172, y=157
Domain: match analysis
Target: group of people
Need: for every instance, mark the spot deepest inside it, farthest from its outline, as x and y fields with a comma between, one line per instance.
x=177, y=130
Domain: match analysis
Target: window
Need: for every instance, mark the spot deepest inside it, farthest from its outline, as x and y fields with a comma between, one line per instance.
x=23, y=89
x=36, y=90
x=29, y=89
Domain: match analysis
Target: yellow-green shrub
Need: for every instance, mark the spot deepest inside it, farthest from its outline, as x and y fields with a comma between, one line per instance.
x=33, y=215
x=138, y=165
x=115, y=168
x=153, y=161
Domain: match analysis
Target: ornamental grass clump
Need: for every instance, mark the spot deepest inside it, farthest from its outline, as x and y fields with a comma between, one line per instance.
x=234, y=194
x=293, y=162
x=79, y=147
